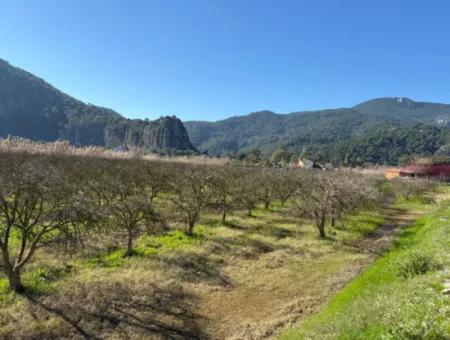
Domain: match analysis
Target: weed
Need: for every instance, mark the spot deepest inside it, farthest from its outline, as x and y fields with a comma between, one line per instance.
x=418, y=263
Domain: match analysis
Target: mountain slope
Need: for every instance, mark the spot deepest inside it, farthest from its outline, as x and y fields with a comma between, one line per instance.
x=399, y=125
x=32, y=108
x=405, y=108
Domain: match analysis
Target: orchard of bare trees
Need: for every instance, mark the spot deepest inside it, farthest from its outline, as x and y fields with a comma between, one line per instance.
x=61, y=201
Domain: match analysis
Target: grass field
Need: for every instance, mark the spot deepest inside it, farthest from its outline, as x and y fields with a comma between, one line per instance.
x=245, y=278
x=400, y=295
x=248, y=278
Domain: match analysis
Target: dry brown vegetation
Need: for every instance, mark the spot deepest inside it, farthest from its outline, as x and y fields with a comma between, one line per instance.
x=100, y=247
x=18, y=144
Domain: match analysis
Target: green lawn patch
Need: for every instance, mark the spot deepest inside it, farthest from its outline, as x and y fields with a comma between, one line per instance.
x=172, y=240
x=147, y=246
x=362, y=224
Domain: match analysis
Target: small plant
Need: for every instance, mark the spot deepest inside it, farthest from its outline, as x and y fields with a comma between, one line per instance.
x=176, y=239
x=418, y=263
x=112, y=259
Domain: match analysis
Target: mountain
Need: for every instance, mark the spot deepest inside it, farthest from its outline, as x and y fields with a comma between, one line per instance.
x=383, y=130
x=32, y=108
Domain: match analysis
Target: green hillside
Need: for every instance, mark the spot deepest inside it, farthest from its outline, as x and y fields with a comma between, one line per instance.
x=32, y=108
x=382, y=130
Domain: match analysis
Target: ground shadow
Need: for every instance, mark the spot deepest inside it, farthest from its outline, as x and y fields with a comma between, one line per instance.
x=245, y=246
x=265, y=228
x=274, y=231
x=154, y=312
x=195, y=267
x=235, y=226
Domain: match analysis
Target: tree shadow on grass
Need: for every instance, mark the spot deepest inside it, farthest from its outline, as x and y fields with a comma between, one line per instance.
x=97, y=310
x=235, y=226
x=284, y=220
x=275, y=232
x=247, y=247
x=51, y=310
x=266, y=229
x=195, y=267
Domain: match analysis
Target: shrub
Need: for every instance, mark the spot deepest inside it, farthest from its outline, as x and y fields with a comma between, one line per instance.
x=418, y=263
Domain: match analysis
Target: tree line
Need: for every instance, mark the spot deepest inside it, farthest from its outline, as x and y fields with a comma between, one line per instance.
x=57, y=201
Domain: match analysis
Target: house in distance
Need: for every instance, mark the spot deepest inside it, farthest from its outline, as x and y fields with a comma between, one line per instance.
x=432, y=171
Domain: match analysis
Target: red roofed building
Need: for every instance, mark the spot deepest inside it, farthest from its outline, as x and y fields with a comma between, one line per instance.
x=438, y=171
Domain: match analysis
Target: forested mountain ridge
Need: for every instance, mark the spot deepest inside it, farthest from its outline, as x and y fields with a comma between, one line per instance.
x=32, y=108
x=382, y=130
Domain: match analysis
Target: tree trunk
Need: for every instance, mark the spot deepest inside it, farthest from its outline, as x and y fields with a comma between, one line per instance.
x=15, y=283
x=13, y=274
x=191, y=225
x=249, y=212
x=322, y=231
x=321, y=226
x=129, y=251
x=224, y=215
x=333, y=221
x=267, y=200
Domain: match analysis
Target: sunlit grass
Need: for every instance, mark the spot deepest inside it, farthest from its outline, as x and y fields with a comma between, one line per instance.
x=360, y=225
x=172, y=240
x=272, y=255
x=380, y=304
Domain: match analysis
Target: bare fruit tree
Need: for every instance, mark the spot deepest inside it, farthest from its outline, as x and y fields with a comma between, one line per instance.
x=128, y=208
x=316, y=201
x=247, y=190
x=36, y=209
x=156, y=178
x=190, y=193
x=266, y=183
x=286, y=185
x=330, y=197
x=223, y=182
x=407, y=188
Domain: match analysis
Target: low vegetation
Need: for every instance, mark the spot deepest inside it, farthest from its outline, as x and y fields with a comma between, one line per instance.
x=400, y=296
x=102, y=247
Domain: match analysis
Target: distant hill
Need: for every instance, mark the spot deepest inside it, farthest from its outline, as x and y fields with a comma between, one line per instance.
x=383, y=130
x=32, y=108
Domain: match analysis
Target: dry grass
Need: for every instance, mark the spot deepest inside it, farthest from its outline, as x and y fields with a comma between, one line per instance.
x=245, y=279
x=17, y=144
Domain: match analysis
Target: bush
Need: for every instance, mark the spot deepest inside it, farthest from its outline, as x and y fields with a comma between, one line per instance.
x=418, y=263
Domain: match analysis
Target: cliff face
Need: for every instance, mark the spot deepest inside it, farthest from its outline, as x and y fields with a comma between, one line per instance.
x=167, y=133
x=32, y=108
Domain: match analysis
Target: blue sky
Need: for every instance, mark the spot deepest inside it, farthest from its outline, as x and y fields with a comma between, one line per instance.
x=210, y=59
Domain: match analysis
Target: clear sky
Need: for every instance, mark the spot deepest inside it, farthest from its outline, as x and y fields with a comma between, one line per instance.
x=210, y=59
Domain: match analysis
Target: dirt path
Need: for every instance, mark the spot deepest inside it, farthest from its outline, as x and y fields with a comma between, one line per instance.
x=381, y=239
x=265, y=299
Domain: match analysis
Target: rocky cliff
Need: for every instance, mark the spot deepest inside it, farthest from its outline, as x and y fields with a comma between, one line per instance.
x=33, y=109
